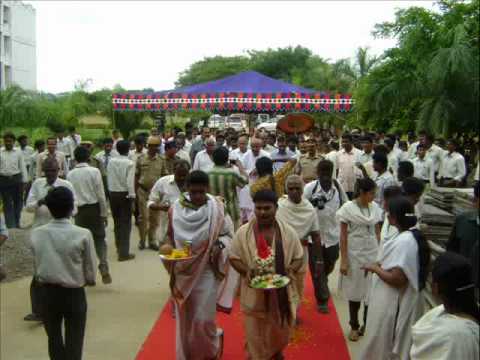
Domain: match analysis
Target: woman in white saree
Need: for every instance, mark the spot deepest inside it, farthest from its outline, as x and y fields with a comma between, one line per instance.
x=396, y=299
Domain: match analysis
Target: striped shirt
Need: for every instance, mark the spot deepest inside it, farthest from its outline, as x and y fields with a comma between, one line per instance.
x=224, y=183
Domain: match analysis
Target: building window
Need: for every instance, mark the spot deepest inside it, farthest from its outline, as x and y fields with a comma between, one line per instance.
x=7, y=46
x=6, y=15
x=8, y=76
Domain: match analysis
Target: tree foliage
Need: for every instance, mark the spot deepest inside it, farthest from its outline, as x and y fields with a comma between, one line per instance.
x=430, y=80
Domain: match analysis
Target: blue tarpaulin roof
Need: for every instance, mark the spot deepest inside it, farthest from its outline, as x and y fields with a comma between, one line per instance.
x=245, y=82
x=248, y=92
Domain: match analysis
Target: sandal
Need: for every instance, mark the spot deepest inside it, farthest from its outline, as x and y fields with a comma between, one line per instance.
x=353, y=336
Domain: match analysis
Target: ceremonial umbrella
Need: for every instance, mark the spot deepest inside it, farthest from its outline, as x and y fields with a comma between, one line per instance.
x=295, y=123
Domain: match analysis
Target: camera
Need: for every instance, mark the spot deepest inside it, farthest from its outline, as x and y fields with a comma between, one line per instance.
x=318, y=201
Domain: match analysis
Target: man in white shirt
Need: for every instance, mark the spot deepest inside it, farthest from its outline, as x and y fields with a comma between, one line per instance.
x=13, y=177
x=39, y=147
x=433, y=152
x=52, y=152
x=203, y=160
x=281, y=155
x=452, y=169
x=74, y=139
x=91, y=205
x=248, y=161
x=64, y=263
x=331, y=152
x=423, y=167
x=327, y=196
x=27, y=154
x=63, y=144
x=241, y=150
x=165, y=192
x=183, y=147
x=367, y=154
x=384, y=178
x=346, y=165
x=106, y=154
x=392, y=156
x=36, y=204
x=121, y=186
x=139, y=150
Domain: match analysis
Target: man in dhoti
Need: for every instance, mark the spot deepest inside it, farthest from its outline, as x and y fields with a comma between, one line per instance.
x=199, y=218
x=261, y=243
x=296, y=211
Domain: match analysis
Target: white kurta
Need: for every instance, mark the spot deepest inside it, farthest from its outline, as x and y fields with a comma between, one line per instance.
x=362, y=248
x=392, y=312
x=442, y=336
x=245, y=200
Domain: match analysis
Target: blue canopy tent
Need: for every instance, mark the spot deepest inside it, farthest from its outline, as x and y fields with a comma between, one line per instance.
x=247, y=92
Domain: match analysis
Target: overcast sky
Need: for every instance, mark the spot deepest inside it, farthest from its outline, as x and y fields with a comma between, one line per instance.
x=147, y=44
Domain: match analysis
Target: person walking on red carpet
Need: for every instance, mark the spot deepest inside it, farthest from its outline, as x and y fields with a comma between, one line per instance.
x=269, y=315
x=199, y=218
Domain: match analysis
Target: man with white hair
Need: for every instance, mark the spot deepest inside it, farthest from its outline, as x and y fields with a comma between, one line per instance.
x=248, y=161
x=297, y=212
x=203, y=160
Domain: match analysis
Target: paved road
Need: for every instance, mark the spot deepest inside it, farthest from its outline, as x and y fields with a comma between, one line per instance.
x=120, y=315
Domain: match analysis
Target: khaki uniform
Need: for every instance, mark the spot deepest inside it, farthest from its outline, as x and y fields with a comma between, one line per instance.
x=147, y=172
x=169, y=163
x=307, y=167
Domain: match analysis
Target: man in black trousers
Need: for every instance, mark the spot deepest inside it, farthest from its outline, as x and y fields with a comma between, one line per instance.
x=65, y=262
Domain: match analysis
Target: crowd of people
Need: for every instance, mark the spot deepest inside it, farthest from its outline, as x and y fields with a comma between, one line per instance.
x=243, y=203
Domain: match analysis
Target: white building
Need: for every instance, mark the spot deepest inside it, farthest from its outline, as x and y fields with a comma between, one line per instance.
x=18, y=57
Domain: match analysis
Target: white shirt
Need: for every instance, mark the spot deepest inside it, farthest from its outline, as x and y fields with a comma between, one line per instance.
x=63, y=145
x=236, y=154
x=412, y=150
x=383, y=181
x=184, y=155
x=64, y=254
x=12, y=163
x=393, y=161
x=203, y=162
x=435, y=153
x=74, y=141
x=121, y=175
x=37, y=192
x=61, y=160
x=134, y=154
x=453, y=166
x=164, y=190
x=27, y=152
x=332, y=156
x=348, y=173
x=423, y=169
x=104, y=159
x=329, y=225
x=363, y=157
x=88, y=185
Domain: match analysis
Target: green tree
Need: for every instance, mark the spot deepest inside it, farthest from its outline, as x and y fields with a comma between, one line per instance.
x=430, y=80
x=213, y=68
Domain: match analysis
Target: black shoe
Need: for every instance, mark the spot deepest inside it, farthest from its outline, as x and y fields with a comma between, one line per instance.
x=153, y=247
x=32, y=317
x=126, y=258
x=106, y=279
x=141, y=245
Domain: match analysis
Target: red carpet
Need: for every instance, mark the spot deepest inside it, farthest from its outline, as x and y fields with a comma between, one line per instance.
x=318, y=336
